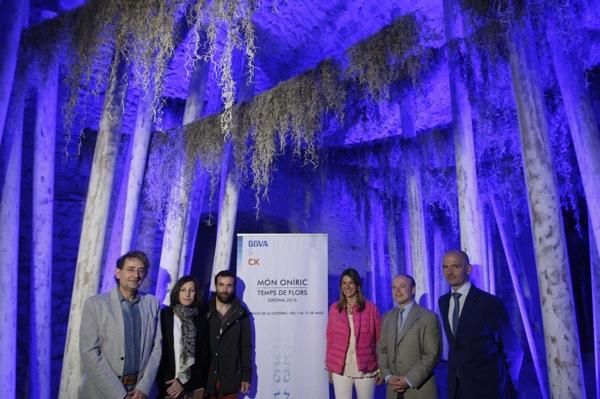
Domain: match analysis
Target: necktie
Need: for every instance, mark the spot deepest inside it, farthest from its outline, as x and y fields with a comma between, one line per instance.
x=401, y=319
x=455, y=312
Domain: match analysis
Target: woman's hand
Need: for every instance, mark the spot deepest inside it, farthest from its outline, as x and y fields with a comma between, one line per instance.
x=175, y=389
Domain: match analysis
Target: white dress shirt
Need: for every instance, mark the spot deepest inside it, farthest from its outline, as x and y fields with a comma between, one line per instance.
x=463, y=291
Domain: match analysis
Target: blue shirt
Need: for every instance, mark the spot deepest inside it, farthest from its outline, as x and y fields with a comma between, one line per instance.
x=132, y=332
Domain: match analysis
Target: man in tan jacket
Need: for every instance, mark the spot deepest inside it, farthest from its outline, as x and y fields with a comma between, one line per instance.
x=410, y=345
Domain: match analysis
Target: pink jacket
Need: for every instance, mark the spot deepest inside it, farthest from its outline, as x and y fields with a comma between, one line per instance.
x=366, y=331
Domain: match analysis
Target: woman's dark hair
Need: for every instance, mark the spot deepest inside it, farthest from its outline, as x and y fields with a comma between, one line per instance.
x=360, y=299
x=174, y=297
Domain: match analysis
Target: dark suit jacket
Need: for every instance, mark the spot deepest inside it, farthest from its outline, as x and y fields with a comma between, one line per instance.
x=166, y=369
x=485, y=354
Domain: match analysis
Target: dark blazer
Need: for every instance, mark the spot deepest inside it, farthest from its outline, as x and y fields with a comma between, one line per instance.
x=166, y=369
x=485, y=354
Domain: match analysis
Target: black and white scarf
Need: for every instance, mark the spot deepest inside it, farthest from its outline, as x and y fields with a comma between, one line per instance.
x=188, y=340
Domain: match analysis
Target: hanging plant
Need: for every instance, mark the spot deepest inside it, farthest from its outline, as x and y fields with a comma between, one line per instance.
x=504, y=10
x=140, y=34
x=293, y=112
x=166, y=166
x=143, y=35
x=234, y=19
x=392, y=55
x=204, y=144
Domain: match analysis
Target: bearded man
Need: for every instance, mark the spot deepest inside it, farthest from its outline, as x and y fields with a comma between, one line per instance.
x=230, y=341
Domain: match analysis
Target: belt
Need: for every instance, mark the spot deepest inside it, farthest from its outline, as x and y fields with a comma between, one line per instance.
x=129, y=379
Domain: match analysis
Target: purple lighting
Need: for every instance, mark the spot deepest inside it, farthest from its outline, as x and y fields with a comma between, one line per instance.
x=399, y=129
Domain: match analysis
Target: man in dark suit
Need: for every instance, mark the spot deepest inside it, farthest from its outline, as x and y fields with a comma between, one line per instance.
x=485, y=355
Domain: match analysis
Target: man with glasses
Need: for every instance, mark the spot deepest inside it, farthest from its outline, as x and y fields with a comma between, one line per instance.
x=119, y=342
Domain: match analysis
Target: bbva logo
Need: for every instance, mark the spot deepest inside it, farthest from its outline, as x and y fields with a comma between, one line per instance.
x=258, y=243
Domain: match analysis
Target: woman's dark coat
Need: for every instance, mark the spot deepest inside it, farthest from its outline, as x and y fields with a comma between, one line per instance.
x=166, y=369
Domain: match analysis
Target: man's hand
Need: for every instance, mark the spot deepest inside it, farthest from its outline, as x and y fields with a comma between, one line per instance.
x=175, y=388
x=398, y=383
x=136, y=394
x=245, y=387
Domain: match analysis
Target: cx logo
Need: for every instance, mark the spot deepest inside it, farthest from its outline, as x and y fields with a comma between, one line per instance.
x=253, y=262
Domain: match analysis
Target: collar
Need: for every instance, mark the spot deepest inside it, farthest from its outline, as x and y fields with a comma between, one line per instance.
x=135, y=299
x=406, y=307
x=464, y=289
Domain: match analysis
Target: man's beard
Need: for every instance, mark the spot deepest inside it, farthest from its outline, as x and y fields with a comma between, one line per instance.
x=225, y=298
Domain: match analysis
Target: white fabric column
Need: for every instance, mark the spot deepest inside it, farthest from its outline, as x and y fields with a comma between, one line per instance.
x=416, y=218
x=194, y=109
x=418, y=237
x=489, y=248
x=392, y=244
x=42, y=228
x=381, y=267
x=469, y=207
x=583, y=123
x=10, y=163
x=595, y=283
x=519, y=280
x=440, y=285
x=93, y=231
x=130, y=191
x=408, y=268
x=227, y=215
x=230, y=191
x=179, y=202
x=563, y=357
x=372, y=259
x=201, y=182
x=13, y=18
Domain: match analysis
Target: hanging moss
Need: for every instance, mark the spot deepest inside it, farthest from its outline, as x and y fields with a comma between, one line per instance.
x=392, y=55
x=491, y=39
x=234, y=17
x=204, y=143
x=143, y=35
x=139, y=34
x=291, y=113
x=166, y=166
x=505, y=10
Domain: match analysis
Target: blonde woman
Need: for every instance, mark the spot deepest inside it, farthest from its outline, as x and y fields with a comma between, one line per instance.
x=352, y=335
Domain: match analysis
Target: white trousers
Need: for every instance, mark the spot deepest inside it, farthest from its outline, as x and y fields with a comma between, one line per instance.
x=342, y=387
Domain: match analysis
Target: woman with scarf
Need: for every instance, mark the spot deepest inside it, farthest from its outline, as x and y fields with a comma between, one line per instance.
x=185, y=352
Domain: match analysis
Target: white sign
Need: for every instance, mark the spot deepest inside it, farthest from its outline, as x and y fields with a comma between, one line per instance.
x=283, y=279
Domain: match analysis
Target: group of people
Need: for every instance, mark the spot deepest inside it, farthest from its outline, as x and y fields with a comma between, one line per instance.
x=189, y=350
x=128, y=344
x=402, y=350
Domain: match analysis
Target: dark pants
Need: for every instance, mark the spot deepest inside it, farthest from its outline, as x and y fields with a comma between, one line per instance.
x=219, y=395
